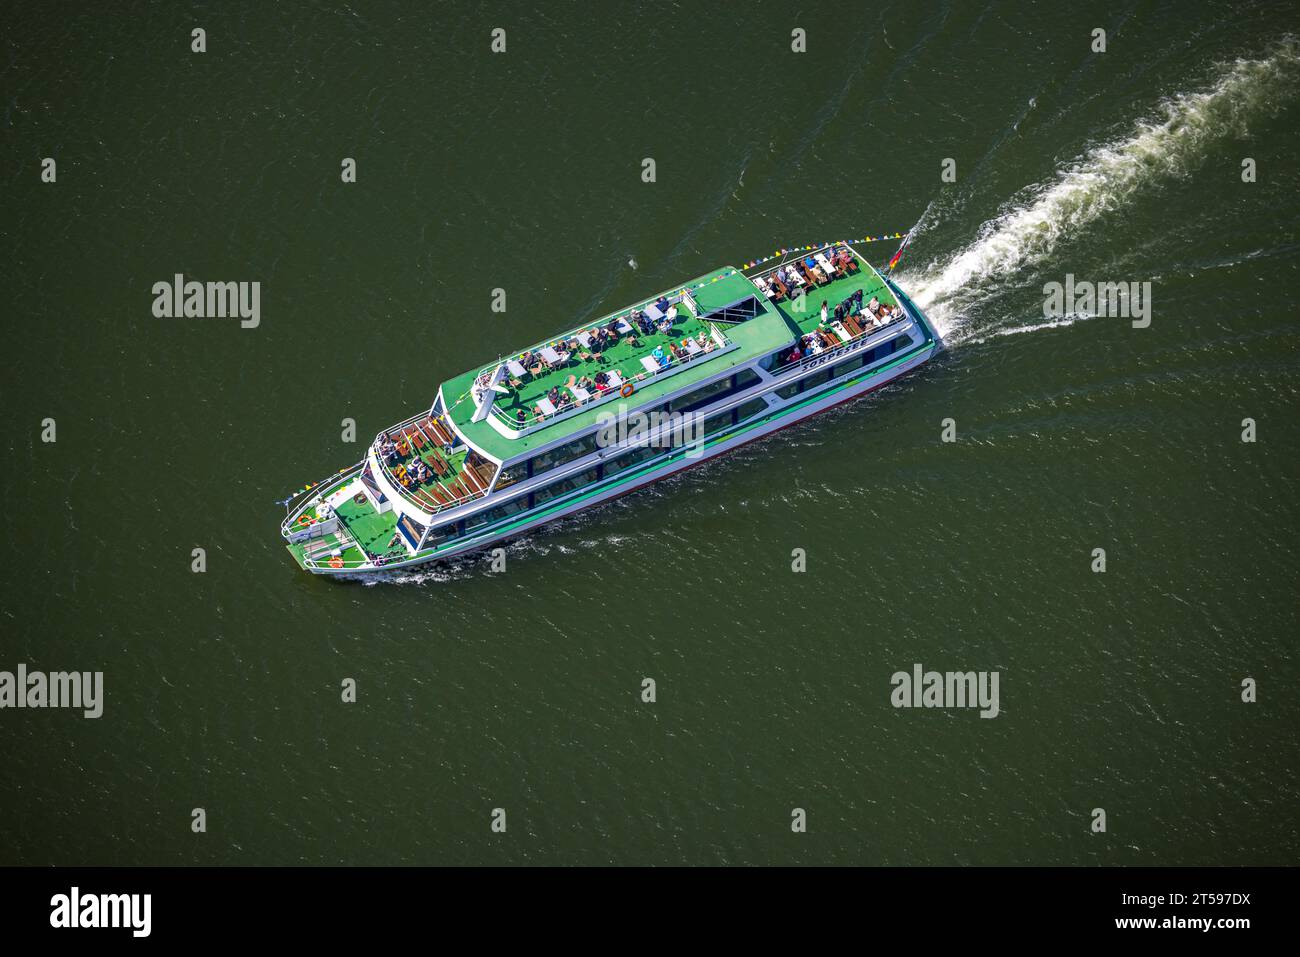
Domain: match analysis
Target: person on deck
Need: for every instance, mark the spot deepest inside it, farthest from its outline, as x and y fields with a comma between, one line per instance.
x=825, y=312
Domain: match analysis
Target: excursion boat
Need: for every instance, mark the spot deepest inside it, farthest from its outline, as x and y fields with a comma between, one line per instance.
x=733, y=356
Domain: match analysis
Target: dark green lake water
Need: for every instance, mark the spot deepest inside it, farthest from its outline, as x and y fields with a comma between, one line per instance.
x=521, y=690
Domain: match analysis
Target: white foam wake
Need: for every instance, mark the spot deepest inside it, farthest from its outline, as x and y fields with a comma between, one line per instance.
x=1066, y=320
x=1033, y=224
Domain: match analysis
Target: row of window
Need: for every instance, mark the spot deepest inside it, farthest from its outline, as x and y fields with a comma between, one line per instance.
x=606, y=469
x=690, y=402
x=585, y=445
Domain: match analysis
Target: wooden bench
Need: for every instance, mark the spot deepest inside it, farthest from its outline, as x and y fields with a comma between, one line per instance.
x=424, y=498
x=440, y=433
x=474, y=483
x=426, y=432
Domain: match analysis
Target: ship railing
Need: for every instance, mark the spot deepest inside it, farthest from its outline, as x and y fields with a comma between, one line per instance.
x=432, y=507
x=829, y=355
x=294, y=503
x=572, y=407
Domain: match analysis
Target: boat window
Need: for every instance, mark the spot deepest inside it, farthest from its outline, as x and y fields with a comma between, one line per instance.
x=816, y=379
x=750, y=409
x=700, y=397
x=564, y=485
x=444, y=534
x=515, y=473
x=628, y=459
x=496, y=514
x=564, y=453
x=786, y=391
x=855, y=363
x=745, y=378
x=885, y=349
x=716, y=423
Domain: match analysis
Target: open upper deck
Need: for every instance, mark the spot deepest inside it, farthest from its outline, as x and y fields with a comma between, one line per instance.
x=858, y=301
x=555, y=388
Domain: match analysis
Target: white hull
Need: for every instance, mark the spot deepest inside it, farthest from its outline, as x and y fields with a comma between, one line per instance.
x=523, y=524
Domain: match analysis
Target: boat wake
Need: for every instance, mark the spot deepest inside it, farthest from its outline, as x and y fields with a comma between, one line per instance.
x=1043, y=216
x=1067, y=320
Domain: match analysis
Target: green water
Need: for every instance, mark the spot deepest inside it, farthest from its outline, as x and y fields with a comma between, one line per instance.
x=521, y=690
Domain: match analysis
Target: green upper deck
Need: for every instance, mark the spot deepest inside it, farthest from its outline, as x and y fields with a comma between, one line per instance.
x=745, y=341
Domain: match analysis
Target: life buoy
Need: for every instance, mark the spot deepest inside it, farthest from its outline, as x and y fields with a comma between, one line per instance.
x=627, y=389
x=336, y=561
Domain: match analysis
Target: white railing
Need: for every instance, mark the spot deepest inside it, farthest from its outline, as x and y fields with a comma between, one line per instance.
x=844, y=348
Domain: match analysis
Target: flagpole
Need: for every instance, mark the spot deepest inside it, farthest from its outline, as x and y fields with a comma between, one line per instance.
x=908, y=238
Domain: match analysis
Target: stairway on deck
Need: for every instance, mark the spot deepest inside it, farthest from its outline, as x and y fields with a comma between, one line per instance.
x=411, y=531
